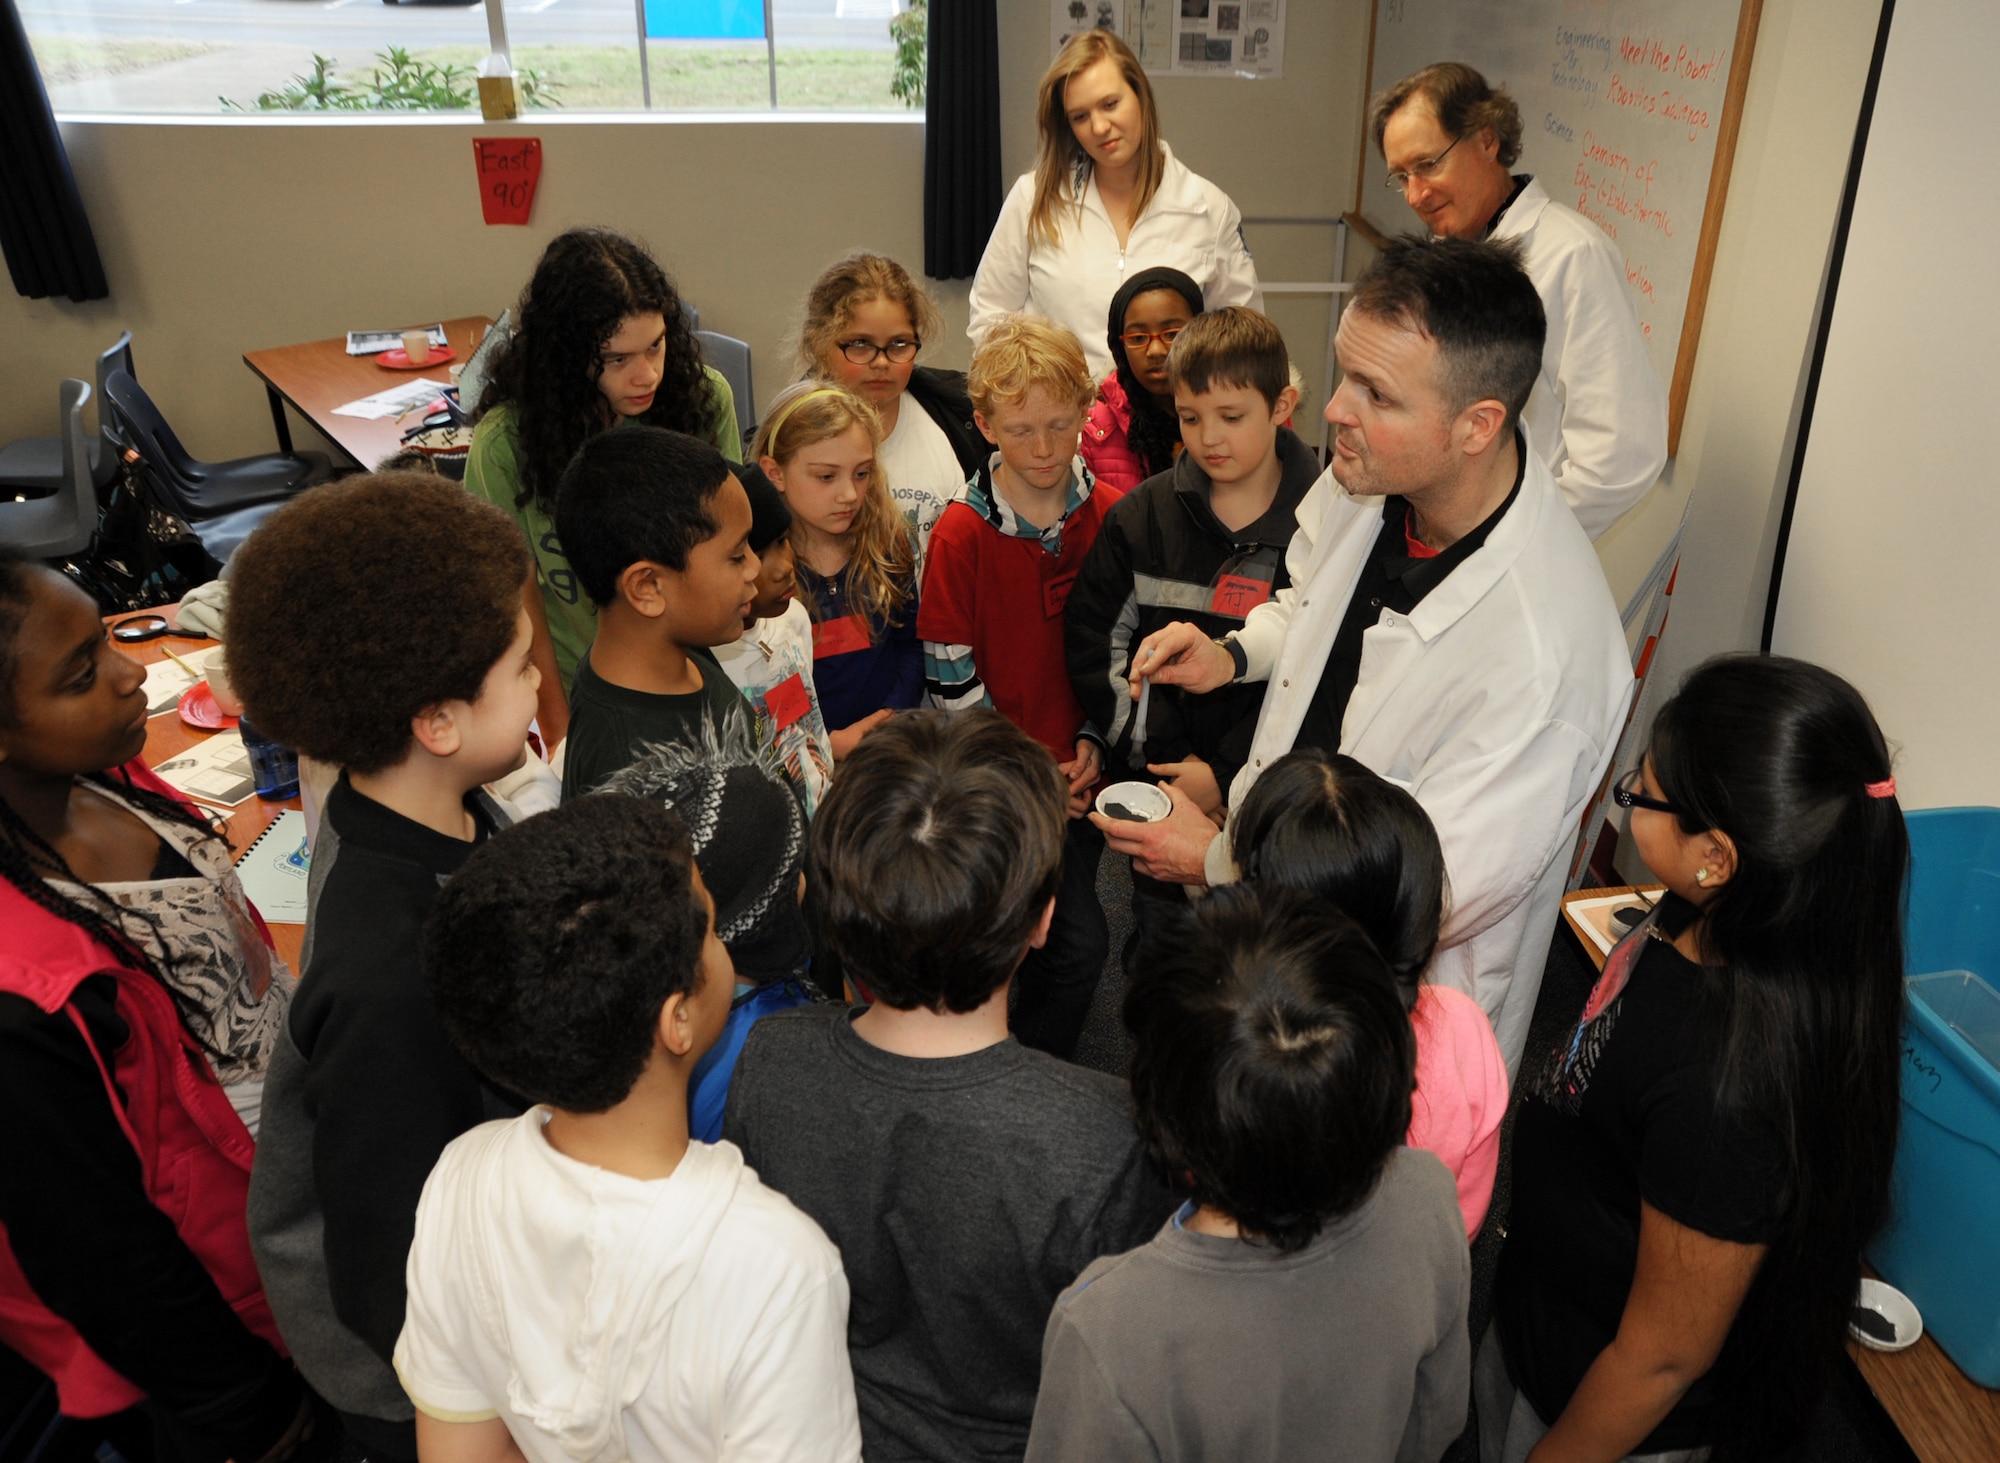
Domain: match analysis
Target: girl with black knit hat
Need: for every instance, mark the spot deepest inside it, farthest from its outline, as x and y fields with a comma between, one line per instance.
x=1132, y=431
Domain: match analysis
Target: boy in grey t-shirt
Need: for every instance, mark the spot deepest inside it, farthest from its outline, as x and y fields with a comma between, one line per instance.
x=1309, y=1300
x=965, y=1178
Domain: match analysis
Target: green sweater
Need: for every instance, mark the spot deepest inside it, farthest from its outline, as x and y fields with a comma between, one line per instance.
x=493, y=471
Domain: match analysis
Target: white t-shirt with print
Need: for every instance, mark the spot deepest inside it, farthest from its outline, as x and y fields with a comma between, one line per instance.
x=924, y=475
x=772, y=665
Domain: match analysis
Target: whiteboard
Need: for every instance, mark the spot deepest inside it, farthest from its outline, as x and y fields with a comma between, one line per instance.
x=1888, y=576
x=1626, y=108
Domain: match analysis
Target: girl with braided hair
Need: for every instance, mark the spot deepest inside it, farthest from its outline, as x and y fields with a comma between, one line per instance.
x=601, y=338
x=139, y=1002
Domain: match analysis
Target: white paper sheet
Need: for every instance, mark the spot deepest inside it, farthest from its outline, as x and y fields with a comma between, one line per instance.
x=215, y=769
x=403, y=397
x=167, y=682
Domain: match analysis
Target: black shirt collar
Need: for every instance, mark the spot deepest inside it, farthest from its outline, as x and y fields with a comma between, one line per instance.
x=1419, y=577
x=1521, y=180
x=364, y=823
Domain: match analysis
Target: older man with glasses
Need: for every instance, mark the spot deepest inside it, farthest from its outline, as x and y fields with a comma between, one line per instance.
x=1598, y=415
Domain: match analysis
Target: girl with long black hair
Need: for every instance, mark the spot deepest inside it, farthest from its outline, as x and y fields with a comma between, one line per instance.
x=600, y=339
x=1698, y=1166
x=139, y=1004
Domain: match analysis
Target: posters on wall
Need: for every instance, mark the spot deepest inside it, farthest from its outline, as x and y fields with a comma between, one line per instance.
x=1241, y=38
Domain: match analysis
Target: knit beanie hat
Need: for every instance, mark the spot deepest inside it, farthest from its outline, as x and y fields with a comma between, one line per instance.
x=749, y=841
x=770, y=514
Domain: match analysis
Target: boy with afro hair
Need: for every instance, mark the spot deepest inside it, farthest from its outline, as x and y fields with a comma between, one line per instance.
x=590, y=1280
x=376, y=624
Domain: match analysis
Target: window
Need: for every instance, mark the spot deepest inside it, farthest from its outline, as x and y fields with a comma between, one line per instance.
x=259, y=56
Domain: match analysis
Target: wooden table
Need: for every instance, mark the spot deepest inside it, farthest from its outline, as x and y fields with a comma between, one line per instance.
x=320, y=375
x=168, y=736
x=1942, y=1414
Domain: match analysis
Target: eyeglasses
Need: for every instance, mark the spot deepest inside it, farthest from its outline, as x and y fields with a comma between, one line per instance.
x=1423, y=171
x=1626, y=794
x=864, y=352
x=1139, y=338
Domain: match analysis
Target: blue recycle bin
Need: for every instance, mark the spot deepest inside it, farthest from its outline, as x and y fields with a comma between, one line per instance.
x=1942, y=1244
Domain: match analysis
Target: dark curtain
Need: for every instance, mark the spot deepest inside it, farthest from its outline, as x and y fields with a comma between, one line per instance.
x=961, y=136
x=47, y=238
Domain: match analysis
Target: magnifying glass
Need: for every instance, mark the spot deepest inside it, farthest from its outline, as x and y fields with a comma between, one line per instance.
x=138, y=629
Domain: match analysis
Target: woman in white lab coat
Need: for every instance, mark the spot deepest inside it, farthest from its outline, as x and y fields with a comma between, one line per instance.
x=1107, y=199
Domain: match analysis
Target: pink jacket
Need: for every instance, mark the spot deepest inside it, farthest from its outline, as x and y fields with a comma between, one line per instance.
x=1106, y=452
x=194, y=1152
x=1461, y=1095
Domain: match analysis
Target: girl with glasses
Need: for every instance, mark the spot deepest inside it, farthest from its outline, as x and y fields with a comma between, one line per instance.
x=1700, y=1162
x=1107, y=198
x=1132, y=431
x=866, y=320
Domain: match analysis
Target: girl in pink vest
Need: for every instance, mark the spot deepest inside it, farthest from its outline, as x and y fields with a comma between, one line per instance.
x=139, y=1000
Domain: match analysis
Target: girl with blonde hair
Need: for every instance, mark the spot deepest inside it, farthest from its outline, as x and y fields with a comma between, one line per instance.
x=1107, y=198
x=866, y=320
x=857, y=558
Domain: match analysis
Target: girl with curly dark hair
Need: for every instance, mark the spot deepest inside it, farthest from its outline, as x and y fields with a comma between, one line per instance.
x=600, y=338
x=139, y=1006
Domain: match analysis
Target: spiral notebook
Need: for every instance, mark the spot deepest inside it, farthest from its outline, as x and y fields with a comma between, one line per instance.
x=274, y=869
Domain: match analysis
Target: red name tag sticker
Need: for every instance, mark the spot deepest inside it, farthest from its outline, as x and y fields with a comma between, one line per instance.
x=1055, y=593
x=839, y=637
x=787, y=701
x=509, y=169
x=1236, y=595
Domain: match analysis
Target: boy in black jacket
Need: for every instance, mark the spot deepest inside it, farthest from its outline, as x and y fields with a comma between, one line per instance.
x=377, y=624
x=1204, y=541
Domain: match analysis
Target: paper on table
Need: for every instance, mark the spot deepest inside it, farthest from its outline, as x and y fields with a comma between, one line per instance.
x=215, y=769
x=274, y=869
x=374, y=342
x=166, y=682
x=397, y=400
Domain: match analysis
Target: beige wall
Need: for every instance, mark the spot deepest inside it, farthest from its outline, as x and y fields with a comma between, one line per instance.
x=220, y=236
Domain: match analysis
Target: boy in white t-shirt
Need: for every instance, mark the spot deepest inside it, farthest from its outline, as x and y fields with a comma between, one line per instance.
x=586, y=1282
x=772, y=665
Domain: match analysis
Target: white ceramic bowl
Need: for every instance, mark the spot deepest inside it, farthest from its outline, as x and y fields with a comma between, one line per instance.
x=1138, y=797
x=1895, y=1308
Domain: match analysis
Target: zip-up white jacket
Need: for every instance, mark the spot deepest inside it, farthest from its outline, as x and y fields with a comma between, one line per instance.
x=1190, y=225
x=1497, y=702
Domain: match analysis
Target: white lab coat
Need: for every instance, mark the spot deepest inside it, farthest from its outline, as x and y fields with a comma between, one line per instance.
x=1498, y=702
x=1598, y=409
x=1189, y=225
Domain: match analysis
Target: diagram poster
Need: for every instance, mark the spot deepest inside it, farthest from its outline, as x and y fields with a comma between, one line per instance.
x=1239, y=38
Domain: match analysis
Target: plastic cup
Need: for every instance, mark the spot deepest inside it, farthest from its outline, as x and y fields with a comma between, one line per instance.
x=274, y=768
x=417, y=346
x=220, y=688
x=1134, y=802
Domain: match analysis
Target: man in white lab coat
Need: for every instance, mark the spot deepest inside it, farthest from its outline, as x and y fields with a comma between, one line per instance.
x=1598, y=414
x=1447, y=623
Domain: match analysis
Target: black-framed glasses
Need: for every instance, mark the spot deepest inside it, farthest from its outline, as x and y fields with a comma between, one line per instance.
x=1422, y=171
x=1626, y=794
x=1138, y=338
x=864, y=352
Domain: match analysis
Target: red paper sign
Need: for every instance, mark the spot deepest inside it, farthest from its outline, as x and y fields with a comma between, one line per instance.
x=787, y=701
x=509, y=169
x=839, y=637
x=1236, y=595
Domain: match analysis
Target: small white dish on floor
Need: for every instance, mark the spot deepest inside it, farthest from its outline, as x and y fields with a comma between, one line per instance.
x=1885, y=1306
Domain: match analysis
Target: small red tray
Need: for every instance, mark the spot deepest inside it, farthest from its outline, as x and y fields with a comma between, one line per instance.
x=399, y=359
x=197, y=707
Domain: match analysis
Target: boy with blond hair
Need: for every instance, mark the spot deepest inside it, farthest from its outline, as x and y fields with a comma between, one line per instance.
x=1003, y=558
